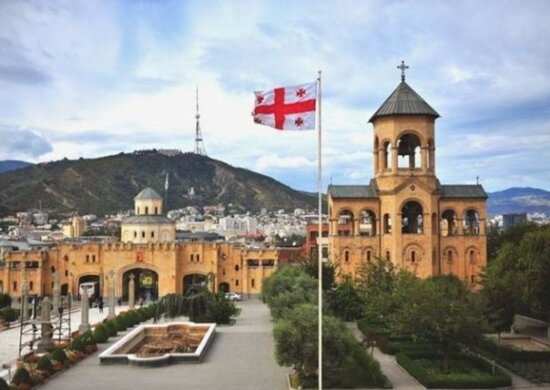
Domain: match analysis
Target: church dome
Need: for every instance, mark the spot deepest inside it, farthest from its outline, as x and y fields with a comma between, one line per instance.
x=148, y=194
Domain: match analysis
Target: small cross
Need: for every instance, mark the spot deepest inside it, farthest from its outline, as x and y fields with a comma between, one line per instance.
x=403, y=67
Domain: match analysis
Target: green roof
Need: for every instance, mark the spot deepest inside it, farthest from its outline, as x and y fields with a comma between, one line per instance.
x=353, y=191
x=148, y=193
x=463, y=191
x=404, y=101
x=148, y=220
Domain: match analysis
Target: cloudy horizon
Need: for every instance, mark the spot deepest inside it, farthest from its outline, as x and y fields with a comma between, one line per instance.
x=89, y=79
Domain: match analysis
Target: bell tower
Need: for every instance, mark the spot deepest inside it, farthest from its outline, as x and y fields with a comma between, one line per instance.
x=404, y=138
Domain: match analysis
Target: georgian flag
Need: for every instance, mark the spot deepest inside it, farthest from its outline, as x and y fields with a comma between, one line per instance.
x=287, y=108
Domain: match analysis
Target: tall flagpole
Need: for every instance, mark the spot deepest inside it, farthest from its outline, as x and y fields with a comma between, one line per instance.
x=319, y=239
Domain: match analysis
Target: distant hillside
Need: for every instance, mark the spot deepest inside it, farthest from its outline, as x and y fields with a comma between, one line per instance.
x=12, y=165
x=519, y=200
x=108, y=184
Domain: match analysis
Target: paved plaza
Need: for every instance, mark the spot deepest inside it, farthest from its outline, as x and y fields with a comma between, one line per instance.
x=240, y=357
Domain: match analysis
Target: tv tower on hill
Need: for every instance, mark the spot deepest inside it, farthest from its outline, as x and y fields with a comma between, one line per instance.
x=199, y=144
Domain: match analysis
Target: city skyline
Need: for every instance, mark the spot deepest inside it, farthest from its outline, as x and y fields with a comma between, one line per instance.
x=82, y=79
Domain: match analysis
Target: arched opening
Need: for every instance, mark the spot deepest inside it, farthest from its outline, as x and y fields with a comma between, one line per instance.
x=345, y=223
x=193, y=281
x=412, y=221
x=146, y=210
x=387, y=224
x=449, y=224
x=413, y=257
x=146, y=284
x=387, y=155
x=367, y=224
x=388, y=256
x=472, y=256
x=450, y=255
x=90, y=284
x=368, y=256
x=65, y=289
x=156, y=210
x=346, y=256
x=471, y=223
x=223, y=287
x=408, y=151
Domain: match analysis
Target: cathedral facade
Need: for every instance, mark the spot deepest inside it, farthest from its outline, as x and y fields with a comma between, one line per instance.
x=405, y=214
x=149, y=251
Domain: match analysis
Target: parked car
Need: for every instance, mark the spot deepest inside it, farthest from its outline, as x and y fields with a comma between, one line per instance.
x=233, y=296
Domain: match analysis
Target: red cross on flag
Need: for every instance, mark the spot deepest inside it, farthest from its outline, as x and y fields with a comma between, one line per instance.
x=287, y=108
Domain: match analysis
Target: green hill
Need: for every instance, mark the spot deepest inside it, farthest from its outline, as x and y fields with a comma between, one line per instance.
x=109, y=184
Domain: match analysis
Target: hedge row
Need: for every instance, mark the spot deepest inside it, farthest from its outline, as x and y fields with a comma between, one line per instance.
x=457, y=381
x=123, y=321
x=509, y=354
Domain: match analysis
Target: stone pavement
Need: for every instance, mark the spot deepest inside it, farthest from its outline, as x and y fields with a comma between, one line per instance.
x=9, y=338
x=240, y=357
x=399, y=378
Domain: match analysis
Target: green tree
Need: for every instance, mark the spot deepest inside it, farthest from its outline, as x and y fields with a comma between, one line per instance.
x=439, y=309
x=345, y=301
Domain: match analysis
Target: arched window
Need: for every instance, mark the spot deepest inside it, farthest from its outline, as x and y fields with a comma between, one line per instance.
x=412, y=221
x=345, y=223
x=142, y=234
x=472, y=256
x=387, y=155
x=146, y=210
x=376, y=154
x=152, y=234
x=408, y=151
x=471, y=223
x=367, y=225
x=192, y=257
x=368, y=256
x=387, y=224
x=413, y=256
x=388, y=256
x=449, y=224
x=156, y=210
x=450, y=255
x=237, y=267
x=346, y=256
x=135, y=234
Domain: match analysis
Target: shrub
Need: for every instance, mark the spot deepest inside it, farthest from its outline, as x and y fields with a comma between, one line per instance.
x=142, y=314
x=100, y=334
x=120, y=323
x=77, y=344
x=9, y=314
x=21, y=376
x=508, y=354
x=432, y=379
x=87, y=338
x=5, y=300
x=133, y=318
x=59, y=355
x=111, y=328
x=45, y=364
x=3, y=384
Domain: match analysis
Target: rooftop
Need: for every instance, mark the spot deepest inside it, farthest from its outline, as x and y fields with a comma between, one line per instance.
x=148, y=193
x=404, y=101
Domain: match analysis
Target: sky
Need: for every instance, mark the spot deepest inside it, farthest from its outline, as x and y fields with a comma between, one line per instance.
x=85, y=78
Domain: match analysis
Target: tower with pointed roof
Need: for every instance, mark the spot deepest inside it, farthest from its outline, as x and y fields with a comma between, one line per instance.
x=404, y=214
x=148, y=224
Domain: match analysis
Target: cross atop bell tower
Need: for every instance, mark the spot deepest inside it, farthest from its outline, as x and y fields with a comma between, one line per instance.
x=403, y=67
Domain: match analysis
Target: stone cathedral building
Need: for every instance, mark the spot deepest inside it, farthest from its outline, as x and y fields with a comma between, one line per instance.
x=405, y=214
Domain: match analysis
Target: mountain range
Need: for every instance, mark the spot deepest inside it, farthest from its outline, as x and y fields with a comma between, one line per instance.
x=108, y=184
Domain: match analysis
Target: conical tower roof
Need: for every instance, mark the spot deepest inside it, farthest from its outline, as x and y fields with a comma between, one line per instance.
x=404, y=101
x=148, y=193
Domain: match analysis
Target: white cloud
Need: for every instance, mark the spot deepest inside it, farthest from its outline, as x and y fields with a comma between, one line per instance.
x=274, y=161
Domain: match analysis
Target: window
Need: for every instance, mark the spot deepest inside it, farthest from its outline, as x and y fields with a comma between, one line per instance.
x=252, y=283
x=408, y=152
x=142, y=234
x=152, y=234
x=472, y=256
x=413, y=256
x=472, y=279
x=237, y=282
x=146, y=210
x=198, y=258
x=449, y=255
x=223, y=271
x=31, y=286
x=192, y=257
x=135, y=234
x=346, y=256
x=87, y=258
x=66, y=273
x=14, y=286
x=388, y=256
x=93, y=258
x=52, y=269
x=368, y=257
x=156, y=210
x=237, y=267
x=412, y=221
x=66, y=258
